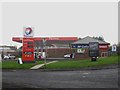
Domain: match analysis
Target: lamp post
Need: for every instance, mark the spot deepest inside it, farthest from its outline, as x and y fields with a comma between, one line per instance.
x=44, y=43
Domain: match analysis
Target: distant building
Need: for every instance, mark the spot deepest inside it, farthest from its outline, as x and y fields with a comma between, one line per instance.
x=7, y=50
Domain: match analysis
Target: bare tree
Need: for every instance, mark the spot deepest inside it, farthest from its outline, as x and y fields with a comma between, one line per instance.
x=99, y=38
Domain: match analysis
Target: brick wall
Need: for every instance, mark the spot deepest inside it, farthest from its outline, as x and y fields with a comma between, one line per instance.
x=58, y=52
x=82, y=55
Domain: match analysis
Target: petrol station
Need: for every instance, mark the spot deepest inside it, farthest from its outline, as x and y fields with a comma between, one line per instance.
x=79, y=47
x=30, y=43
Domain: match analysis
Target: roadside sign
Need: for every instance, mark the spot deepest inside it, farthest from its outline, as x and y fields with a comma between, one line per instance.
x=28, y=49
x=114, y=48
x=93, y=49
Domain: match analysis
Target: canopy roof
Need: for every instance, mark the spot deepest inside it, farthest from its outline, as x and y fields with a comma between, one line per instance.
x=49, y=40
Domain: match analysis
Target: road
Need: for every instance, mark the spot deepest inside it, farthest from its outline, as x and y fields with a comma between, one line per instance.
x=105, y=78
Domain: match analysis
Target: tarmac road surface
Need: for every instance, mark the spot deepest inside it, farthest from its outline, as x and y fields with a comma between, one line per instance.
x=104, y=78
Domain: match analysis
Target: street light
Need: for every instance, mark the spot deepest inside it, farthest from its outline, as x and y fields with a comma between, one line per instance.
x=44, y=43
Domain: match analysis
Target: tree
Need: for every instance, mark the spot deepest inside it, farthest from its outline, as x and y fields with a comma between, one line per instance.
x=99, y=38
x=79, y=38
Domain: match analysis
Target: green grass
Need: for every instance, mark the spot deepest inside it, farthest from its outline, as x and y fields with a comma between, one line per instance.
x=15, y=65
x=66, y=64
x=83, y=63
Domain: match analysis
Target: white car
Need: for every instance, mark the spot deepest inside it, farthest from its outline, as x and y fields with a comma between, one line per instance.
x=9, y=56
x=67, y=56
x=5, y=57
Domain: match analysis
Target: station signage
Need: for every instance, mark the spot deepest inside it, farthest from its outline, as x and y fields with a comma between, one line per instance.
x=28, y=44
x=80, y=50
x=28, y=49
x=93, y=49
x=114, y=48
x=80, y=46
x=53, y=38
x=103, y=46
x=28, y=32
x=93, y=46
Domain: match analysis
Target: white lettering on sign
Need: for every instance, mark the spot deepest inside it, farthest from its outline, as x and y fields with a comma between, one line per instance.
x=103, y=47
x=81, y=50
x=53, y=38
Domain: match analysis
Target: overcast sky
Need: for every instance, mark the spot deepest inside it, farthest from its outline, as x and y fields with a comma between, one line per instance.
x=78, y=19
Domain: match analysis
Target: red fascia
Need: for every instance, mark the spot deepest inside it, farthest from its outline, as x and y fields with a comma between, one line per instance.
x=19, y=39
x=104, y=46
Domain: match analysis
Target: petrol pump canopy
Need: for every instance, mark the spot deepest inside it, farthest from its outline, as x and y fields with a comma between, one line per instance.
x=49, y=40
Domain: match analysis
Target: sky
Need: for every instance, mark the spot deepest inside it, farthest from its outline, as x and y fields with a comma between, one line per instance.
x=54, y=19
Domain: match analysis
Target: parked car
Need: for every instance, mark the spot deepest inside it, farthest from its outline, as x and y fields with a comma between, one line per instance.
x=67, y=56
x=9, y=56
x=5, y=57
x=72, y=55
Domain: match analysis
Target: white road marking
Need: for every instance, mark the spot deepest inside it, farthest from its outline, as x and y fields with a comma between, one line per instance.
x=86, y=73
x=40, y=65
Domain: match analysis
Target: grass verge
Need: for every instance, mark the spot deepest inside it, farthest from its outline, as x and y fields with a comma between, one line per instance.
x=15, y=65
x=72, y=64
x=66, y=64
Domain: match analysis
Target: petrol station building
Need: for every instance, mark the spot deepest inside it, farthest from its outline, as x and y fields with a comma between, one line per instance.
x=83, y=47
x=57, y=47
